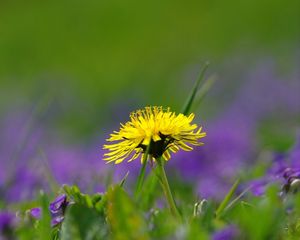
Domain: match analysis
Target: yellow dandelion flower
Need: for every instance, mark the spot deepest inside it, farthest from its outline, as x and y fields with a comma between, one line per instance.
x=162, y=129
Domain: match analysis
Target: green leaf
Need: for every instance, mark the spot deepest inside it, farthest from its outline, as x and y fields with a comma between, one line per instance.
x=124, y=217
x=82, y=222
x=196, y=231
x=97, y=197
x=74, y=193
x=44, y=230
x=101, y=203
x=265, y=218
x=207, y=215
x=165, y=226
x=149, y=191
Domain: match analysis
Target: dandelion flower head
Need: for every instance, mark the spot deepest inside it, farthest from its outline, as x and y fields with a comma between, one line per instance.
x=156, y=129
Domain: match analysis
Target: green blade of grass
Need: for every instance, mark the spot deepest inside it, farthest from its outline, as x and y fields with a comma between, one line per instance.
x=204, y=89
x=234, y=201
x=227, y=198
x=187, y=107
x=54, y=186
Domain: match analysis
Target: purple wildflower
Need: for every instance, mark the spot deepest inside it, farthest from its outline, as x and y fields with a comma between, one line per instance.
x=284, y=170
x=289, y=179
x=57, y=209
x=36, y=212
x=57, y=220
x=59, y=205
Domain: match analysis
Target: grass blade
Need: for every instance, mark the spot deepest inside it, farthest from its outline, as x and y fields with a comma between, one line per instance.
x=227, y=198
x=204, y=90
x=187, y=107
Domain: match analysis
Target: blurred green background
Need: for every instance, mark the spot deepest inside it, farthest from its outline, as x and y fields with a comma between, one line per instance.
x=90, y=57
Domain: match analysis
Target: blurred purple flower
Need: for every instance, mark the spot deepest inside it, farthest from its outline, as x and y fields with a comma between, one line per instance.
x=23, y=185
x=6, y=219
x=7, y=224
x=36, y=212
x=18, y=147
x=77, y=165
x=284, y=170
x=28, y=159
x=258, y=186
x=228, y=146
x=228, y=233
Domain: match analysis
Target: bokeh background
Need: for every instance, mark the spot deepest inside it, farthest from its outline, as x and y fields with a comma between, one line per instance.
x=71, y=71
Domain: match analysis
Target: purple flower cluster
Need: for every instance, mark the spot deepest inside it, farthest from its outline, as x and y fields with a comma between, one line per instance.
x=284, y=170
x=57, y=210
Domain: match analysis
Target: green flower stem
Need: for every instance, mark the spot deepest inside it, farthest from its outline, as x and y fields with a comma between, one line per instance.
x=141, y=176
x=166, y=188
